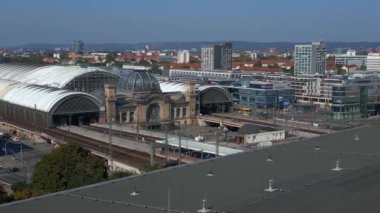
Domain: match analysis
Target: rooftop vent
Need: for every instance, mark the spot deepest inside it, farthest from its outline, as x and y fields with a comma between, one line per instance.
x=204, y=209
x=317, y=147
x=210, y=173
x=135, y=192
x=269, y=158
x=270, y=187
x=337, y=166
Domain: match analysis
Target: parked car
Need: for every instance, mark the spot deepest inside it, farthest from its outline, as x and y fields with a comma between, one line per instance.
x=5, y=136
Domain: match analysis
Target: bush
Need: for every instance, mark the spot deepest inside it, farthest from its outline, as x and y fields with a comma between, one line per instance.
x=120, y=174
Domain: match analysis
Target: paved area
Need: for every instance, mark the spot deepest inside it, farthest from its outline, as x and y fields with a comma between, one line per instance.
x=17, y=166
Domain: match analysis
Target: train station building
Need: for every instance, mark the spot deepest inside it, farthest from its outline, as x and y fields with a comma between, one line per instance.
x=48, y=96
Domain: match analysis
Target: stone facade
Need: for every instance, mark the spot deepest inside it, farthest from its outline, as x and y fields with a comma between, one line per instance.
x=151, y=108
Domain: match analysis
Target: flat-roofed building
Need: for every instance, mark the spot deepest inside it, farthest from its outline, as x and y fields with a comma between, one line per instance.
x=350, y=58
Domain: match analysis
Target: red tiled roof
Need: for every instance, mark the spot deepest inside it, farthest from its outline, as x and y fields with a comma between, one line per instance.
x=351, y=66
x=188, y=66
x=260, y=69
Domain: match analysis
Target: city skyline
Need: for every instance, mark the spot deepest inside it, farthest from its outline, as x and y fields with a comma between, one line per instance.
x=144, y=21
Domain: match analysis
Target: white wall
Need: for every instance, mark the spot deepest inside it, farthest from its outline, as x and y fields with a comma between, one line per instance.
x=264, y=137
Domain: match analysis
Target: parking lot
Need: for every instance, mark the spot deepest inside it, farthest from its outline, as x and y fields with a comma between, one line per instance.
x=16, y=165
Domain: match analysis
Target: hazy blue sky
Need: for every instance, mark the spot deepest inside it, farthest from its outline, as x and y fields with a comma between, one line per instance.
x=128, y=21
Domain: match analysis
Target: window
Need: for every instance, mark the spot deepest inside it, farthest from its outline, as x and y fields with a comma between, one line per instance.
x=184, y=112
x=178, y=112
x=131, y=116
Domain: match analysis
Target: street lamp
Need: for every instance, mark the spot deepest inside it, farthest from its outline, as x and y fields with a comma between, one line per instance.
x=110, y=142
x=21, y=159
x=5, y=148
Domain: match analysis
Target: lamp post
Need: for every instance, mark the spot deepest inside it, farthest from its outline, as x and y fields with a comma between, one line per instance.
x=5, y=148
x=28, y=174
x=21, y=159
x=110, y=143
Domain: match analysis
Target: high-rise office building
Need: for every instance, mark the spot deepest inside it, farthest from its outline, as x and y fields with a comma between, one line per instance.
x=226, y=56
x=217, y=57
x=183, y=56
x=373, y=62
x=77, y=47
x=310, y=58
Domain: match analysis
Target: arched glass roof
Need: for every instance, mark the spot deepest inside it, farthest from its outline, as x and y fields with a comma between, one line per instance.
x=214, y=94
x=51, y=76
x=172, y=87
x=36, y=97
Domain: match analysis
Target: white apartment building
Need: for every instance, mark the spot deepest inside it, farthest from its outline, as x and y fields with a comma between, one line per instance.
x=310, y=58
x=183, y=56
x=373, y=62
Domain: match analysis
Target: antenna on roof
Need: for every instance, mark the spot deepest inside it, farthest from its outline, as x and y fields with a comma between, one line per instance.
x=356, y=138
x=270, y=187
x=204, y=209
x=337, y=166
x=135, y=192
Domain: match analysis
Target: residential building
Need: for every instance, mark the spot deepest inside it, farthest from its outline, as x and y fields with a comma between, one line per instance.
x=310, y=58
x=253, y=55
x=77, y=47
x=225, y=56
x=209, y=57
x=350, y=58
x=373, y=62
x=183, y=56
x=315, y=89
x=217, y=57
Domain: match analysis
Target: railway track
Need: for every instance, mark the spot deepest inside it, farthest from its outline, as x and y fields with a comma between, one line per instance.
x=131, y=157
x=265, y=123
x=128, y=135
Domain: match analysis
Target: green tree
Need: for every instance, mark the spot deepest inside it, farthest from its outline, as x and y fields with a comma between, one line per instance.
x=273, y=66
x=111, y=57
x=120, y=174
x=155, y=69
x=340, y=69
x=66, y=167
x=258, y=64
x=153, y=167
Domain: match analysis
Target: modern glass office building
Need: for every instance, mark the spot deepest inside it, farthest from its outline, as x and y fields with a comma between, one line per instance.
x=262, y=95
x=355, y=99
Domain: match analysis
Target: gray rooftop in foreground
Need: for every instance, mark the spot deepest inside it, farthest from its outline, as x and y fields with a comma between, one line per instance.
x=302, y=174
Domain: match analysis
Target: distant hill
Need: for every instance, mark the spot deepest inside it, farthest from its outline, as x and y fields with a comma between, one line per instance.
x=237, y=45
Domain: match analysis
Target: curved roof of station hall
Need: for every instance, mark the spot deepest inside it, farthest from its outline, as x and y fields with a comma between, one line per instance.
x=172, y=87
x=51, y=76
x=34, y=96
